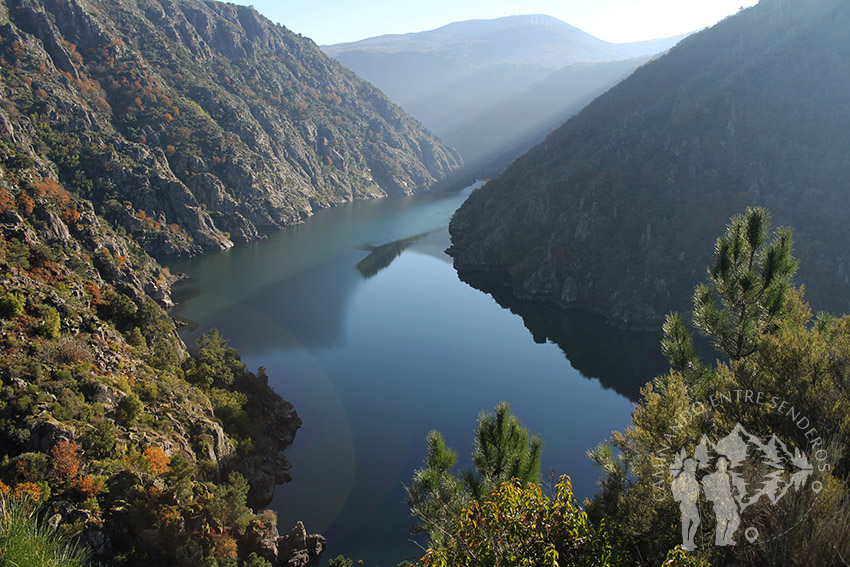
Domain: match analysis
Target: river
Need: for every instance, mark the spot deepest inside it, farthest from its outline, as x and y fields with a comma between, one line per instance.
x=363, y=324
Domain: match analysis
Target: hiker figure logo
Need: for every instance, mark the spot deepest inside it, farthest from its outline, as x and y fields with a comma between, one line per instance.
x=733, y=474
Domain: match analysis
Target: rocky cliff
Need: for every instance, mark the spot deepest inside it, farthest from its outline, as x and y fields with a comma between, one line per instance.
x=617, y=210
x=146, y=453
x=198, y=124
x=170, y=127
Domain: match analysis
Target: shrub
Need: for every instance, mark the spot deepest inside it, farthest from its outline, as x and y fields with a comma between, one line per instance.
x=135, y=338
x=129, y=409
x=156, y=460
x=518, y=525
x=31, y=466
x=50, y=324
x=118, y=308
x=99, y=442
x=12, y=305
x=66, y=461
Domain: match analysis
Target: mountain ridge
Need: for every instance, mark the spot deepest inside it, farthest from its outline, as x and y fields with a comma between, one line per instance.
x=616, y=211
x=466, y=41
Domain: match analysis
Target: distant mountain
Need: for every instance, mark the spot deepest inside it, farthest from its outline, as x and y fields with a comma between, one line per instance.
x=618, y=210
x=536, y=40
x=197, y=124
x=469, y=72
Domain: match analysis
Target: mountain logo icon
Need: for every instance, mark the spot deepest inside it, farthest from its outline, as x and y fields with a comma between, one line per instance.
x=735, y=473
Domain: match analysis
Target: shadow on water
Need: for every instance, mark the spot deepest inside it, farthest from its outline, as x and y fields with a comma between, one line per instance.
x=621, y=360
x=382, y=256
x=307, y=310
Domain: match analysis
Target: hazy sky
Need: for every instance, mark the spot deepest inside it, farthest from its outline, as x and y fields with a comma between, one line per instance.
x=336, y=21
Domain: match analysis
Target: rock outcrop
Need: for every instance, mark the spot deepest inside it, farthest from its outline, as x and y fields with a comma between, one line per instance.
x=296, y=549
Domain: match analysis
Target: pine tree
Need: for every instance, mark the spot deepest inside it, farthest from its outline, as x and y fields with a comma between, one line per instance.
x=503, y=451
x=436, y=495
x=746, y=293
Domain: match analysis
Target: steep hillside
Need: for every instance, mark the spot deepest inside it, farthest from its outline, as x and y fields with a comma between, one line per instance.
x=461, y=79
x=616, y=210
x=149, y=455
x=167, y=127
x=198, y=124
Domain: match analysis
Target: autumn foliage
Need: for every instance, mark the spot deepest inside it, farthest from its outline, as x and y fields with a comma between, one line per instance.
x=49, y=188
x=65, y=459
x=70, y=216
x=156, y=460
x=30, y=490
x=25, y=204
x=89, y=486
x=6, y=201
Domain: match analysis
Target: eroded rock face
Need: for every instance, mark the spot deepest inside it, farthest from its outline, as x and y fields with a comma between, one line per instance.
x=269, y=467
x=199, y=124
x=261, y=537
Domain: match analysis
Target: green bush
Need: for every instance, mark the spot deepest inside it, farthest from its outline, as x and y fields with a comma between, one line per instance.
x=129, y=409
x=12, y=305
x=135, y=338
x=50, y=324
x=99, y=441
x=256, y=561
x=118, y=308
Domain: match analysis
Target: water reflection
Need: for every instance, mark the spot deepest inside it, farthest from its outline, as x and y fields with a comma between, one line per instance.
x=622, y=360
x=382, y=256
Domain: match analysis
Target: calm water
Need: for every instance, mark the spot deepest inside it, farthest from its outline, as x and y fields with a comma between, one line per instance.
x=363, y=324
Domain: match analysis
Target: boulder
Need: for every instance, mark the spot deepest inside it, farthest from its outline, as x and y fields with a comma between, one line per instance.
x=298, y=548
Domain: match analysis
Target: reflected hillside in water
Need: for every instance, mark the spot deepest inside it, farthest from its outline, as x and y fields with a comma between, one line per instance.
x=621, y=360
x=382, y=256
x=294, y=291
x=362, y=323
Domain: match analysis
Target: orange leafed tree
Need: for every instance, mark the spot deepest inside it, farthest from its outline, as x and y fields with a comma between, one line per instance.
x=65, y=457
x=71, y=216
x=89, y=486
x=156, y=459
x=50, y=188
x=6, y=201
x=25, y=204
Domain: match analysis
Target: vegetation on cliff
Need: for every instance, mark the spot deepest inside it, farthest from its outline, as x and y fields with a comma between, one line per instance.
x=783, y=376
x=163, y=127
x=120, y=437
x=197, y=124
x=616, y=210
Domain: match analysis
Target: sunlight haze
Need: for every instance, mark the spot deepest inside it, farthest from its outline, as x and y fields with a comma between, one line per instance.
x=618, y=21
